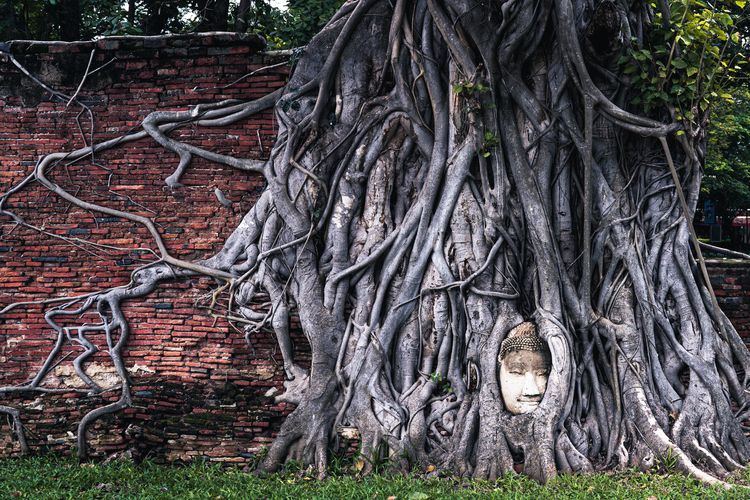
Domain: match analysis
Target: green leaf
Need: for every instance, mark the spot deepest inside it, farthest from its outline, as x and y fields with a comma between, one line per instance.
x=679, y=63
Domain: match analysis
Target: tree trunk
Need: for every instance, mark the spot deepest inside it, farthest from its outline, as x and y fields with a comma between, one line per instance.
x=443, y=172
x=158, y=16
x=69, y=12
x=240, y=17
x=214, y=15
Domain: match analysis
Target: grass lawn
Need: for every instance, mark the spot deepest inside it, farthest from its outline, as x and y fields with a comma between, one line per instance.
x=60, y=478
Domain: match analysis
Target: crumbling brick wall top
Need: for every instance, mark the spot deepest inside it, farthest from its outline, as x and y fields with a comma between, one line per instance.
x=131, y=43
x=109, y=60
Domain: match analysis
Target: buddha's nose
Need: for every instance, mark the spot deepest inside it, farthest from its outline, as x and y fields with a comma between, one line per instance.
x=530, y=387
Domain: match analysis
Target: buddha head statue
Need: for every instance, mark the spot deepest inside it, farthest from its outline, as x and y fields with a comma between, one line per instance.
x=524, y=367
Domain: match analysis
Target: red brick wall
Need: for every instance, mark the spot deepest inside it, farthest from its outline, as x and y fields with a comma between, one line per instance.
x=199, y=388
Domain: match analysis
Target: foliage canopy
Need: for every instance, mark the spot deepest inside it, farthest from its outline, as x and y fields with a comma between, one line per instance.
x=87, y=19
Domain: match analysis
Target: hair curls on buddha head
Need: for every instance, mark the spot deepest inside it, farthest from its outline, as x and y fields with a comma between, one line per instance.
x=523, y=337
x=524, y=361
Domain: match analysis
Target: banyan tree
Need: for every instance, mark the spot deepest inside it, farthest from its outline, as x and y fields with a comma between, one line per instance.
x=446, y=173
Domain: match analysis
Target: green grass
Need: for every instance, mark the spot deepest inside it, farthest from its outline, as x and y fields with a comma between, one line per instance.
x=63, y=478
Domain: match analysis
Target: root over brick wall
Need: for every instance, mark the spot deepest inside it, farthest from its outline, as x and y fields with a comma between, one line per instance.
x=199, y=389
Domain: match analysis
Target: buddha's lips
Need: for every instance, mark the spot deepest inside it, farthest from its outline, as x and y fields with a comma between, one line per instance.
x=530, y=404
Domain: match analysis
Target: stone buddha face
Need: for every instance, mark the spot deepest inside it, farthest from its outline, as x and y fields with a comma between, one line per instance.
x=524, y=369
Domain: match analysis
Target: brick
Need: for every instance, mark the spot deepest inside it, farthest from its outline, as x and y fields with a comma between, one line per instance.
x=49, y=259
